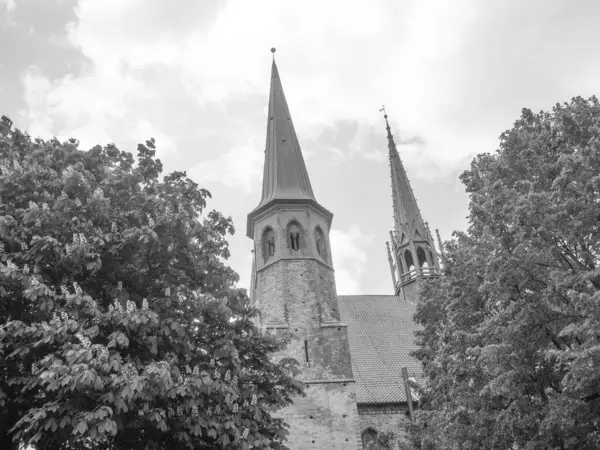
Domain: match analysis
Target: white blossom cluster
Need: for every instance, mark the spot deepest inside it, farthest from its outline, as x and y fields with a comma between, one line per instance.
x=84, y=340
x=130, y=306
x=78, y=202
x=167, y=291
x=150, y=221
x=63, y=194
x=24, y=246
x=38, y=223
x=119, y=286
x=79, y=239
x=77, y=288
x=104, y=353
x=32, y=205
x=245, y=433
x=45, y=206
x=228, y=376
x=68, y=171
x=144, y=304
x=194, y=411
x=117, y=306
x=113, y=227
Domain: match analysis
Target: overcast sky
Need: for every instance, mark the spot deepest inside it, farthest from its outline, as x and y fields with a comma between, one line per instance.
x=195, y=76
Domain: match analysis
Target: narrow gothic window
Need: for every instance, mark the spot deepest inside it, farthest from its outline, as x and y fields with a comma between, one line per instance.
x=295, y=236
x=421, y=256
x=268, y=243
x=409, y=260
x=271, y=244
x=320, y=243
x=295, y=241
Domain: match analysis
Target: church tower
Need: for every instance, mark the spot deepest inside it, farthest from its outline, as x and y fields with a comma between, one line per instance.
x=411, y=251
x=293, y=284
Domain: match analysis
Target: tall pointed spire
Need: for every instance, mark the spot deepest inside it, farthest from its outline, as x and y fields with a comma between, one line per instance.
x=285, y=178
x=413, y=253
x=406, y=210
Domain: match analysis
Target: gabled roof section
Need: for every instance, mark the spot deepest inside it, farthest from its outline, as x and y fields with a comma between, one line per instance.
x=381, y=336
x=285, y=178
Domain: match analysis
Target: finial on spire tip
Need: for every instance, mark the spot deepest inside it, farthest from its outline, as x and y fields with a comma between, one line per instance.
x=273, y=50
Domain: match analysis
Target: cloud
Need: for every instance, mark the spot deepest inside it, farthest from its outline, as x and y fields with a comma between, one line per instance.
x=10, y=5
x=349, y=257
x=239, y=168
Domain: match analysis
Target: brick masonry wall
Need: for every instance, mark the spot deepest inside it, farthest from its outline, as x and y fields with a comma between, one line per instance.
x=384, y=418
x=411, y=292
x=296, y=294
x=324, y=419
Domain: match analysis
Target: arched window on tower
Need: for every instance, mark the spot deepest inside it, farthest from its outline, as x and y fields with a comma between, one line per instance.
x=409, y=260
x=421, y=256
x=268, y=243
x=320, y=243
x=295, y=236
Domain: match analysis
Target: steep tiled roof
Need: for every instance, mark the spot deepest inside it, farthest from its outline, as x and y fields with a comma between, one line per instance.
x=381, y=336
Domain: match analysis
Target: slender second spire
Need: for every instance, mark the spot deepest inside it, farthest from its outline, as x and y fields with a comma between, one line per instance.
x=406, y=211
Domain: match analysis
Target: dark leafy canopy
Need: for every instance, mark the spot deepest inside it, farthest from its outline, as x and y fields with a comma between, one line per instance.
x=511, y=338
x=116, y=309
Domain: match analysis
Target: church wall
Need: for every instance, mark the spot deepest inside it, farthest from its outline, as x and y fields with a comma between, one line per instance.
x=324, y=419
x=297, y=297
x=384, y=418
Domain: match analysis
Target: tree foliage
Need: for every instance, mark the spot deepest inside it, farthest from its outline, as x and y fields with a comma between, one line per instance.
x=511, y=334
x=120, y=325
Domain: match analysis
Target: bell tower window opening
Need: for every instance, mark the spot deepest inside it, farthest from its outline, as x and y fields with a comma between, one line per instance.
x=421, y=256
x=409, y=260
x=295, y=236
x=320, y=243
x=295, y=241
x=268, y=243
